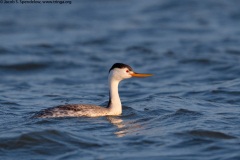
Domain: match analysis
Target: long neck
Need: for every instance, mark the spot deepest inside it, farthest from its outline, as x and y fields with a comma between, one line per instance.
x=114, y=104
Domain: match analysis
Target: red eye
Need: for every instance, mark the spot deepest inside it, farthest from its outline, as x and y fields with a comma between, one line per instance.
x=127, y=70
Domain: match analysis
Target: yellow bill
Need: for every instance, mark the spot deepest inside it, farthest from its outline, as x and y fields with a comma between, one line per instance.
x=141, y=75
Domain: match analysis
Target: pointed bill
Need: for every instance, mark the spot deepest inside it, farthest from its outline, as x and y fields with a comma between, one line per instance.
x=141, y=75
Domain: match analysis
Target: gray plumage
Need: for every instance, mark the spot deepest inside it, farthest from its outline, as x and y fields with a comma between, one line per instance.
x=73, y=110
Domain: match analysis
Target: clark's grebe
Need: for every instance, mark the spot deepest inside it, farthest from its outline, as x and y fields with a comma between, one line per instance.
x=117, y=73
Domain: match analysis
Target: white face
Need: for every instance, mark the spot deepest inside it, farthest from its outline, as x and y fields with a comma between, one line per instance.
x=120, y=73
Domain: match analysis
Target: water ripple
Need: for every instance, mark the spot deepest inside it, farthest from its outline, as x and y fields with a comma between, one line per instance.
x=210, y=134
x=29, y=66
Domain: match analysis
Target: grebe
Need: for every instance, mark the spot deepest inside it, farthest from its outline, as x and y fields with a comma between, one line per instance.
x=117, y=73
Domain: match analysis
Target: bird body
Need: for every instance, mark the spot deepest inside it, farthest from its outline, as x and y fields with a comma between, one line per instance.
x=74, y=110
x=117, y=73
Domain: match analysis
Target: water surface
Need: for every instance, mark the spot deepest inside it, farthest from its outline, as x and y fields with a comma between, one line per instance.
x=61, y=54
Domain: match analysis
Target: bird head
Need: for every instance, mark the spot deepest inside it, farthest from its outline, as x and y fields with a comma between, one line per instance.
x=120, y=71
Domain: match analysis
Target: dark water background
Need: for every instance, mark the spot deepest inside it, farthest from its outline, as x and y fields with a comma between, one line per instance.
x=58, y=54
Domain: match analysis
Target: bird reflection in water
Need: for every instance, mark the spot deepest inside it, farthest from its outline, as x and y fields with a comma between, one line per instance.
x=123, y=128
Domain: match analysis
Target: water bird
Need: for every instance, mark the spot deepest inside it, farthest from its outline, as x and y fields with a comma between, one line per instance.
x=117, y=73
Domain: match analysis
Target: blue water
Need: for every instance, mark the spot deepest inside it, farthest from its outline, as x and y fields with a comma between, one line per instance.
x=60, y=54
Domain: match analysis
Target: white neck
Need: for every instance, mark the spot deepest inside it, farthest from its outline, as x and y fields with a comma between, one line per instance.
x=114, y=106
